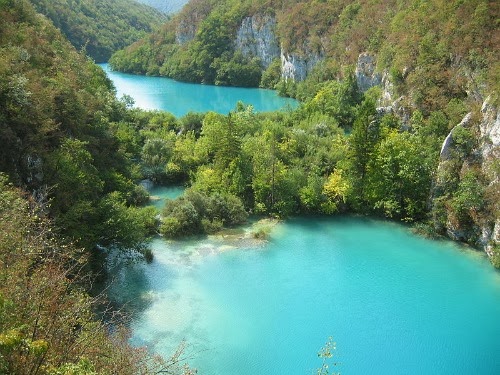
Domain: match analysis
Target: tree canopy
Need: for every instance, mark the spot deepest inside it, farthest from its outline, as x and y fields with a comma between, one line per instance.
x=101, y=27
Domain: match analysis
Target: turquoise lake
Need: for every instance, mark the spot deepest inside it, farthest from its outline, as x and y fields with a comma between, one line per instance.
x=180, y=98
x=393, y=302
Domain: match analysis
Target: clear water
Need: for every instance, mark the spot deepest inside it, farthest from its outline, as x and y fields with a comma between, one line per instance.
x=179, y=98
x=393, y=302
x=159, y=194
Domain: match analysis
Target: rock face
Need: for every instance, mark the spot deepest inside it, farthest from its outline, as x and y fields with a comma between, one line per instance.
x=185, y=32
x=485, y=156
x=489, y=149
x=446, y=148
x=366, y=77
x=490, y=130
x=256, y=38
x=296, y=67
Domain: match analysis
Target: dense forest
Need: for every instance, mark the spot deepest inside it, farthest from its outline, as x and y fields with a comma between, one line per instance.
x=100, y=26
x=72, y=154
x=66, y=185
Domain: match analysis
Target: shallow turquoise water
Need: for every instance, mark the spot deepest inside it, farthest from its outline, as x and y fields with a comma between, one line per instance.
x=180, y=98
x=159, y=194
x=393, y=302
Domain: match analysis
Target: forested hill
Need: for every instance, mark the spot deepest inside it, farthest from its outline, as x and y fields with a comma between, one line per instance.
x=232, y=42
x=101, y=26
x=66, y=183
x=165, y=6
x=59, y=121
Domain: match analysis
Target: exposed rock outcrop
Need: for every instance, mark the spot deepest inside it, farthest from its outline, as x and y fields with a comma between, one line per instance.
x=490, y=130
x=446, y=148
x=256, y=38
x=489, y=149
x=296, y=67
x=185, y=32
x=485, y=157
x=366, y=76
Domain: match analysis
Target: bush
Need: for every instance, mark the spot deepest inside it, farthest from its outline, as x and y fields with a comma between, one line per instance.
x=271, y=75
x=211, y=226
x=180, y=218
x=495, y=258
x=170, y=227
x=197, y=212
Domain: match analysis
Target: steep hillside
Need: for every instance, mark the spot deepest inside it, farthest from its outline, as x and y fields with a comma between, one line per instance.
x=224, y=36
x=65, y=183
x=165, y=6
x=431, y=65
x=59, y=122
x=100, y=26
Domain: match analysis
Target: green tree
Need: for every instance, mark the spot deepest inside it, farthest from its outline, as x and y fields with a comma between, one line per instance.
x=155, y=155
x=399, y=177
x=362, y=142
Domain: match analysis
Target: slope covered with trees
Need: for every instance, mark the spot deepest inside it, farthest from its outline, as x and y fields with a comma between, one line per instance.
x=47, y=321
x=101, y=27
x=59, y=133
x=199, y=43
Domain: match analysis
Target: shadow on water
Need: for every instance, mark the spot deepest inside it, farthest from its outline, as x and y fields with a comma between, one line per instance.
x=124, y=284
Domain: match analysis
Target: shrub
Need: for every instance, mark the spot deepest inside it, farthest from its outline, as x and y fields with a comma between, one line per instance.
x=196, y=212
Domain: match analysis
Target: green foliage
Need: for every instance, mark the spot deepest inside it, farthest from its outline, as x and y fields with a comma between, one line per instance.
x=208, y=57
x=100, y=27
x=67, y=131
x=362, y=141
x=237, y=71
x=47, y=324
x=337, y=100
x=495, y=259
x=434, y=52
x=399, y=176
x=336, y=189
x=64, y=136
x=468, y=199
x=155, y=155
x=464, y=140
x=83, y=367
x=197, y=212
x=272, y=75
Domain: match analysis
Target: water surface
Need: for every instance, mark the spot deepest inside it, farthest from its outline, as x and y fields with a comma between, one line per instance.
x=179, y=98
x=159, y=194
x=394, y=303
